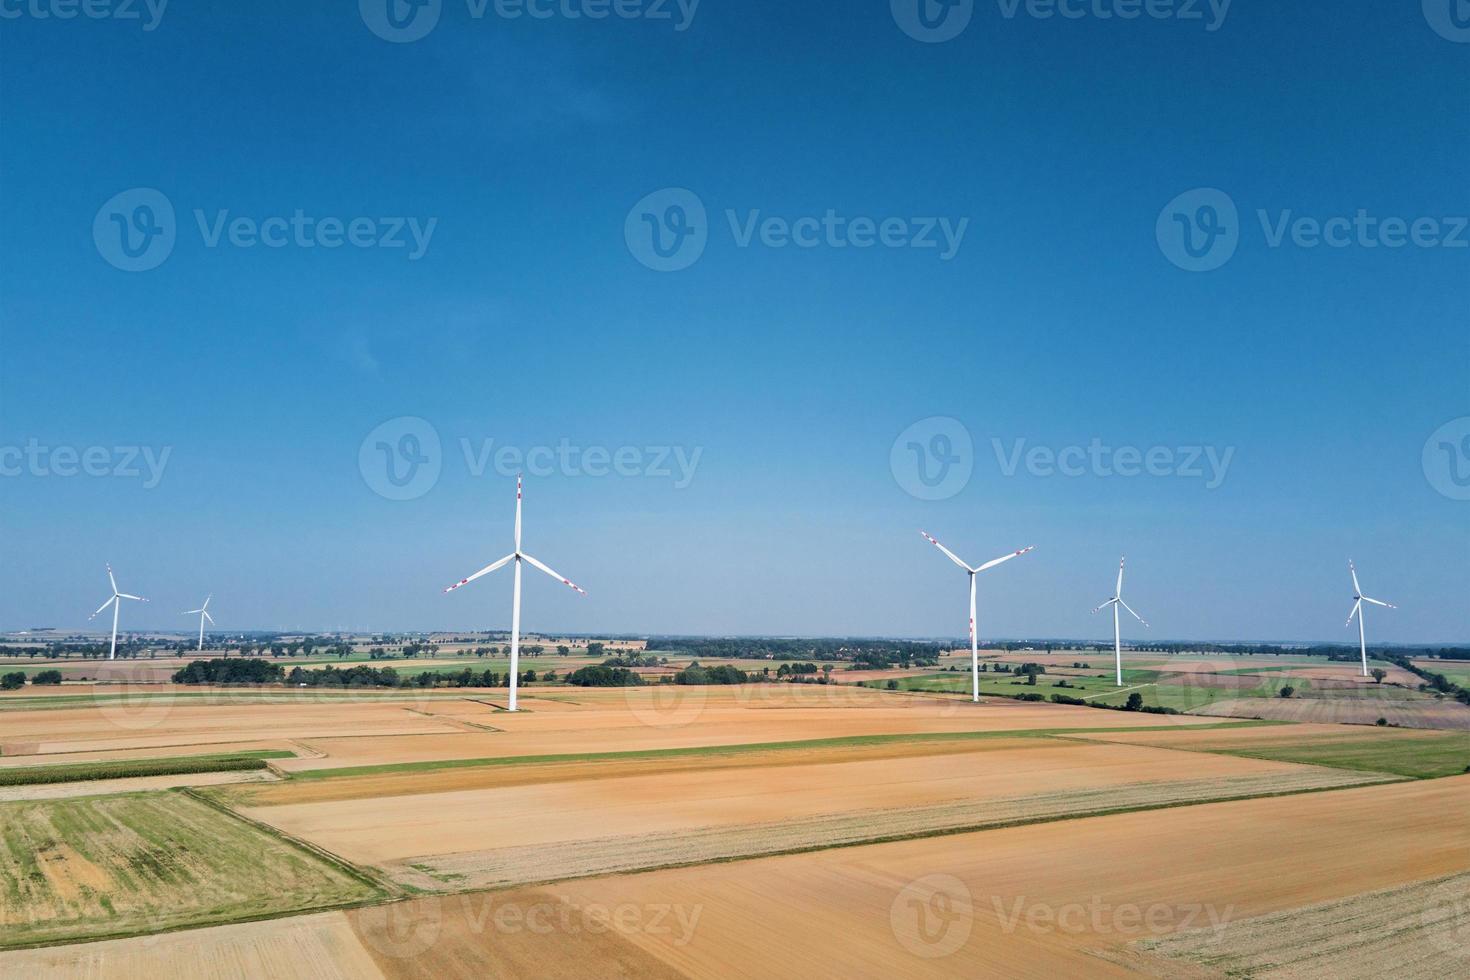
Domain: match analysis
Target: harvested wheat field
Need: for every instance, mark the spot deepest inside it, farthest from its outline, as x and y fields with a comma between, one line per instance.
x=1060, y=899
x=146, y=723
x=1414, y=932
x=551, y=829
x=306, y=947
x=1345, y=711
x=142, y=862
x=661, y=719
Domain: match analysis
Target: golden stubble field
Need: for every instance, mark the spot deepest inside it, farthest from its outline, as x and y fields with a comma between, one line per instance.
x=756, y=844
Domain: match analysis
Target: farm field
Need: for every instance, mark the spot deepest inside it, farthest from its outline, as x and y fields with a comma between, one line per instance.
x=1457, y=671
x=708, y=810
x=1072, y=898
x=143, y=862
x=1426, y=713
x=546, y=829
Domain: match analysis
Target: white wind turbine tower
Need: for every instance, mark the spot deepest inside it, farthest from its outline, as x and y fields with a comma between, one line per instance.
x=203, y=612
x=516, y=556
x=1115, y=602
x=1358, y=600
x=974, y=640
x=116, y=603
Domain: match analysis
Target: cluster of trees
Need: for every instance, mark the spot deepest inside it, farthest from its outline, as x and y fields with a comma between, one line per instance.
x=222, y=671
x=634, y=660
x=862, y=654
x=600, y=675
x=1433, y=680
x=721, y=674
x=257, y=671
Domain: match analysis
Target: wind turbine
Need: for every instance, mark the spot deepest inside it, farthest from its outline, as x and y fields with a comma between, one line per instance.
x=1115, y=602
x=516, y=556
x=974, y=640
x=116, y=604
x=203, y=612
x=1358, y=600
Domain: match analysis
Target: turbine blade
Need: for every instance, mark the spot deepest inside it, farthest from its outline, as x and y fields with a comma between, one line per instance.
x=1130, y=609
x=1357, y=609
x=190, y=612
x=556, y=575
x=206, y=600
x=951, y=554
x=103, y=606
x=1379, y=602
x=111, y=579
x=1357, y=589
x=1119, y=590
x=1105, y=605
x=1005, y=558
x=135, y=598
x=518, y=512
x=209, y=617
x=484, y=571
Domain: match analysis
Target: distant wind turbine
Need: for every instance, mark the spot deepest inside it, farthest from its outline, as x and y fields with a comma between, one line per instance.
x=974, y=640
x=1115, y=602
x=203, y=612
x=116, y=603
x=516, y=556
x=1358, y=600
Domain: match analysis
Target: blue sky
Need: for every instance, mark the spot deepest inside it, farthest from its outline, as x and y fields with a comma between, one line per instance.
x=526, y=145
